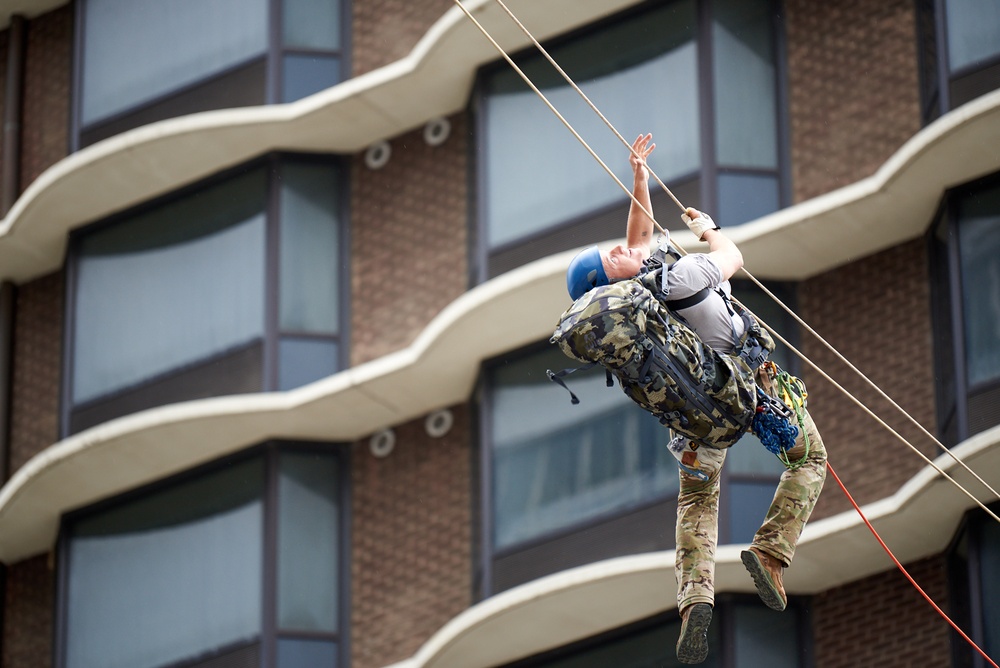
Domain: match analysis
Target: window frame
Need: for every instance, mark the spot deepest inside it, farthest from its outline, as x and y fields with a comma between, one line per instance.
x=936, y=97
x=699, y=188
x=490, y=554
x=150, y=110
x=272, y=164
x=270, y=453
x=954, y=418
x=965, y=587
x=723, y=622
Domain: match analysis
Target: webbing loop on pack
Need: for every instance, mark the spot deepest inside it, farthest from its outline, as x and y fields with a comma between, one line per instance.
x=557, y=378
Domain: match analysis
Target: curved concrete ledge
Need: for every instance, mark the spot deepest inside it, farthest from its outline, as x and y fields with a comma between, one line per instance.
x=439, y=369
x=576, y=604
x=433, y=80
x=894, y=205
x=26, y=8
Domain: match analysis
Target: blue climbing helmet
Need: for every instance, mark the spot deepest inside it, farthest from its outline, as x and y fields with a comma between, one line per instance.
x=586, y=272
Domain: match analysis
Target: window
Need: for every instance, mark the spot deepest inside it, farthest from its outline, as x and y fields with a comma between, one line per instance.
x=172, y=302
x=567, y=485
x=182, y=573
x=975, y=587
x=718, y=143
x=743, y=634
x=960, y=51
x=965, y=245
x=556, y=464
x=143, y=60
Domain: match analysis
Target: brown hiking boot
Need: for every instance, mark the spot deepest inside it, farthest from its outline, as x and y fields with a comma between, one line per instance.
x=692, y=645
x=766, y=573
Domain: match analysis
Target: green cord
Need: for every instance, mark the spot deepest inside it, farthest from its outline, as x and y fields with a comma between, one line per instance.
x=787, y=388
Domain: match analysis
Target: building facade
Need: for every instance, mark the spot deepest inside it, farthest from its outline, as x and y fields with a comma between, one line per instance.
x=277, y=279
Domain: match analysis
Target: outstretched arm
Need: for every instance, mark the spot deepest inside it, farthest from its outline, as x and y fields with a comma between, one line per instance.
x=639, y=228
x=720, y=247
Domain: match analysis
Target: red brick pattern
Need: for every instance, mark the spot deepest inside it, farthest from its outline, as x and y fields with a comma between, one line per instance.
x=45, y=138
x=409, y=249
x=384, y=31
x=853, y=88
x=876, y=312
x=411, y=541
x=883, y=621
x=38, y=323
x=26, y=640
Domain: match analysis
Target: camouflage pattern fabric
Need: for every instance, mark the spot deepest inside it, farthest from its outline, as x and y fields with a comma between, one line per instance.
x=660, y=362
x=698, y=515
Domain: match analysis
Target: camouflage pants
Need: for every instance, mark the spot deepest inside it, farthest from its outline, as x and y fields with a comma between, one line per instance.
x=698, y=515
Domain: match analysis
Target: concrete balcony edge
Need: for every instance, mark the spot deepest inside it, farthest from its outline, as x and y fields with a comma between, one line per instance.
x=575, y=604
x=440, y=367
x=433, y=80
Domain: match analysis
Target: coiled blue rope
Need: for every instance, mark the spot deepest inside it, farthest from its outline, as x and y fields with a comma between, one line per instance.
x=775, y=433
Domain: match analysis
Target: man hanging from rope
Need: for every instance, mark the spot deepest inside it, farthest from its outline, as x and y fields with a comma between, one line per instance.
x=708, y=313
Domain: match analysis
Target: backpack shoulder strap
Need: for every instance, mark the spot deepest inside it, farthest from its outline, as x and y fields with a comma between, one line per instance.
x=688, y=302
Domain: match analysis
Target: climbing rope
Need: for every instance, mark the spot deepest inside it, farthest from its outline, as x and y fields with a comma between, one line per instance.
x=903, y=570
x=882, y=422
x=752, y=278
x=566, y=123
x=770, y=329
x=569, y=80
x=773, y=427
x=648, y=213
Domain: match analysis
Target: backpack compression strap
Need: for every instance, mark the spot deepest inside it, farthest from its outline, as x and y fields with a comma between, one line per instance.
x=557, y=378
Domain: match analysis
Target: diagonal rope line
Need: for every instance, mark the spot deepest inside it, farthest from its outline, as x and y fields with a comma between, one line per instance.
x=799, y=353
x=770, y=294
x=882, y=422
x=904, y=571
x=569, y=80
x=555, y=111
x=872, y=385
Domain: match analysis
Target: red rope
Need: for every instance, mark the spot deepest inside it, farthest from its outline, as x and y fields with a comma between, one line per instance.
x=900, y=566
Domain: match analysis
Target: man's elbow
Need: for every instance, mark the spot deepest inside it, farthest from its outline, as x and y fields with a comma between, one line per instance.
x=732, y=262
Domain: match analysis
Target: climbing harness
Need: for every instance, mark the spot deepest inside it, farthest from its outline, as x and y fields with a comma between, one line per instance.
x=772, y=423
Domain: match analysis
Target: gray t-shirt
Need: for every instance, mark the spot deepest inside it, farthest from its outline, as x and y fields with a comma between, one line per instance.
x=710, y=318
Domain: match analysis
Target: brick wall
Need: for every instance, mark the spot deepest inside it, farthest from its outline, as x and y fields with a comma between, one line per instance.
x=883, y=621
x=411, y=541
x=48, y=75
x=876, y=312
x=29, y=588
x=38, y=323
x=28, y=611
x=386, y=30
x=409, y=232
x=853, y=88
x=28, y=615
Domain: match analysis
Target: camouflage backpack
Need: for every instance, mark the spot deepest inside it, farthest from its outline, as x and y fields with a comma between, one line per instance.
x=661, y=363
